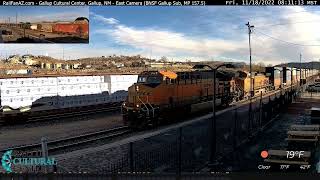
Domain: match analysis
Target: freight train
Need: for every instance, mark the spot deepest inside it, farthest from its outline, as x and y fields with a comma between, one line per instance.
x=24, y=97
x=160, y=94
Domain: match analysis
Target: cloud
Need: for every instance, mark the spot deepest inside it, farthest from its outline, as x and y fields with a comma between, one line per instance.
x=169, y=43
x=108, y=21
x=229, y=42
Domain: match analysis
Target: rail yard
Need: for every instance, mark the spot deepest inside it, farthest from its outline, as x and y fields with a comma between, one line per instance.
x=135, y=114
x=46, y=32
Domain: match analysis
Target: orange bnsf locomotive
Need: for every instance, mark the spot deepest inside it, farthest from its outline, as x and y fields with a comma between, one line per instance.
x=159, y=94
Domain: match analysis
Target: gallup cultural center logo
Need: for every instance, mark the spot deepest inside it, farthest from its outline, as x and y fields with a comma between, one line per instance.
x=8, y=161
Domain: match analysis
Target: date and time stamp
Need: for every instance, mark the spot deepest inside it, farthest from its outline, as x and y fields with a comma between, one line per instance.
x=271, y=2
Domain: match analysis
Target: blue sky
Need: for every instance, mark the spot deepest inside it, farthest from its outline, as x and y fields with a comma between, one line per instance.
x=195, y=33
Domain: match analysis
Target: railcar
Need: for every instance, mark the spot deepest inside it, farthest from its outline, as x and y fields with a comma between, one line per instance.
x=286, y=76
x=275, y=75
x=22, y=98
x=259, y=80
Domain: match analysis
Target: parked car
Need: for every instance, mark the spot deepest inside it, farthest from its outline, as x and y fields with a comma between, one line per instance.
x=6, y=32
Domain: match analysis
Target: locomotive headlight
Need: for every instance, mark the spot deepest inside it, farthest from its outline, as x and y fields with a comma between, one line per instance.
x=137, y=88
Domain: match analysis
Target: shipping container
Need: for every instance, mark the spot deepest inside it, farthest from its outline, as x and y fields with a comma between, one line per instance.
x=45, y=27
x=77, y=29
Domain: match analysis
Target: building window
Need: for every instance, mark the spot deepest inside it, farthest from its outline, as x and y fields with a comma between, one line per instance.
x=28, y=90
x=7, y=91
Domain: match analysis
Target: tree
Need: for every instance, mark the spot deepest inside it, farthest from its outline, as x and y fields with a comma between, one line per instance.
x=163, y=59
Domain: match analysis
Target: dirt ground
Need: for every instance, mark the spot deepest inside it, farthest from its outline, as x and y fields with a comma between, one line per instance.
x=29, y=134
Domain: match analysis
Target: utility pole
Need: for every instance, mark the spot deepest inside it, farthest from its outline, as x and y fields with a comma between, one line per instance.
x=300, y=69
x=16, y=19
x=251, y=82
x=249, y=33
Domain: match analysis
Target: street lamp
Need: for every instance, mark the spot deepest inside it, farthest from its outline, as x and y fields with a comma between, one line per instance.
x=213, y=134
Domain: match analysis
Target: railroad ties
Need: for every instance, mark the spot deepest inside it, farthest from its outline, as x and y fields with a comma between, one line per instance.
x=303, y=134
x=302, y=142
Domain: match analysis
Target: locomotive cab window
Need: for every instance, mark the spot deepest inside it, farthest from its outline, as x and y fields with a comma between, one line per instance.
x=154, y=79
x=142, y=79
x=149, y=79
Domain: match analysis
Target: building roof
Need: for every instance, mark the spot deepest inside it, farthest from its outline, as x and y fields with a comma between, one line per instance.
x=82, y=19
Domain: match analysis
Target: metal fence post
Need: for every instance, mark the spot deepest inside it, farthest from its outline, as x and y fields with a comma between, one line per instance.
x=269, y=109
x=250, y=112
x=235, y=129
x=180, y=152
x=260, y=111
x=131, y=156
x=44, y=148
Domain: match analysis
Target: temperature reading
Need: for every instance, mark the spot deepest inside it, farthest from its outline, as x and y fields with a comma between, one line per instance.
x=292, y=154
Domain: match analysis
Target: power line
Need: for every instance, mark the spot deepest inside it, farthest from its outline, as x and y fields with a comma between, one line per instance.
x=280, y=24
x=291, y=43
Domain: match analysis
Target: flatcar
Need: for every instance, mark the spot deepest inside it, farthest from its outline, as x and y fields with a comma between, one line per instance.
x=160, y=94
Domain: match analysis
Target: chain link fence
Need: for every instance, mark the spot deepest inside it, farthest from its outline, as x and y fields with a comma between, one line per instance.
x=187, y=148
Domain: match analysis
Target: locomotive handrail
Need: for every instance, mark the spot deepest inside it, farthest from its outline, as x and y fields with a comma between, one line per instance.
x=150, y=106
x=144, y=105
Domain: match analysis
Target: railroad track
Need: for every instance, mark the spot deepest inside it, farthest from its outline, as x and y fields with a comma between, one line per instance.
x=71, y=142
x=71, y=114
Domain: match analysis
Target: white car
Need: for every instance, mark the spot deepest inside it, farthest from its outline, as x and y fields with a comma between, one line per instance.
x=314, y=87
